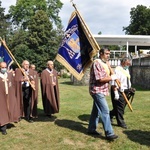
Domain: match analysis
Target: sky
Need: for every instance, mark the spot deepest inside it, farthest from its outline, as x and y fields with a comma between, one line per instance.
x=105, y=16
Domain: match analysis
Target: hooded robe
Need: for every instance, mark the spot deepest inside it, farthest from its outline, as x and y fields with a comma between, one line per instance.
x=50, y=93
x=8, y=101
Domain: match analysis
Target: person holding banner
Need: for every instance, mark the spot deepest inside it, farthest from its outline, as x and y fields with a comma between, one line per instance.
x=50, y=89
x=117, y=98
x=24, y=91
x=98, y=89
x=8, y=102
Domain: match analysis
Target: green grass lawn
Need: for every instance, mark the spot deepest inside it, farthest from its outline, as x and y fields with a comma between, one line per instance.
x=67, y=130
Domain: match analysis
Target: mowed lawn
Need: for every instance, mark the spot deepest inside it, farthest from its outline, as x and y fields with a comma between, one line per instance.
x=67, y=130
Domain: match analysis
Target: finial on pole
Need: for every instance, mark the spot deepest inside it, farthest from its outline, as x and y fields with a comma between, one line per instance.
x=73, y=4
x=71, y=1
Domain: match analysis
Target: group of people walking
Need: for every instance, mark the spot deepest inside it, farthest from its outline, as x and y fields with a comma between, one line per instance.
x=101, y=79
x=19, y=93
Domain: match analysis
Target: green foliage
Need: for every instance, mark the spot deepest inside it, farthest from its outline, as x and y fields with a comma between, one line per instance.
x=42, y=39
x=4, y=24
x=99, y=33
x=114, y=47
x=25, y=9
x=140, y=21
x=34, y=37
x=58, y=66
x=19, y=46
x=65, y=75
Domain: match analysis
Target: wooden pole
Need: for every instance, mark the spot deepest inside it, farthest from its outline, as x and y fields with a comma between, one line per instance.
x=88, y=33
x=4, y=44
x=118, y=83
x=89, y=36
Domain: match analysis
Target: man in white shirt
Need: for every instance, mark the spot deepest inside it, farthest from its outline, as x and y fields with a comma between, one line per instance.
x=118, y=101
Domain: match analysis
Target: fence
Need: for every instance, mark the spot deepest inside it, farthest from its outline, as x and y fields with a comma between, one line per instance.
x=114, y=62
x=140, y=72
x=144, y=61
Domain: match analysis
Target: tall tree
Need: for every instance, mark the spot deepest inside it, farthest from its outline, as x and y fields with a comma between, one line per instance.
x=35, y=37
x=39, y=43
x=140, y=21
x=19, y=45
x=42, y=40
x=4, y=24
x=24, y=9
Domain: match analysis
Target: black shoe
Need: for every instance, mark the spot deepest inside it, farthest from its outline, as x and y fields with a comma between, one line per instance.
x=93, y=133
x=30, y=121
x=4, y=132
x=50, y=116
x=123, y=126
x=112, y=137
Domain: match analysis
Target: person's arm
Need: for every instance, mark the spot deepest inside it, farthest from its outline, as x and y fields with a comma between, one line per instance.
x=106, y=79
x=109, y=78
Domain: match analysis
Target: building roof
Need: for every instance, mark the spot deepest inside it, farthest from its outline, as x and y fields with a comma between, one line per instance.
x=130, y=40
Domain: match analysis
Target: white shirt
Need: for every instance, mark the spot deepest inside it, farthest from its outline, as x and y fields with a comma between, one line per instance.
x=123, y=76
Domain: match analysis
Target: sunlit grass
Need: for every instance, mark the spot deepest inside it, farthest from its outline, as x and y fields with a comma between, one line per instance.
x=67, y=130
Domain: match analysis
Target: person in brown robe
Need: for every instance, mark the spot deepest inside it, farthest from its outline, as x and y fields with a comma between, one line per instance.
x=35, y=92
x=50, y=90
x=8, y=102
x=24, y=91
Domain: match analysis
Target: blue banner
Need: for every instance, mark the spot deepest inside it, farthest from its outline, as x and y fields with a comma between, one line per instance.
x=4, y=56
x=76, y=51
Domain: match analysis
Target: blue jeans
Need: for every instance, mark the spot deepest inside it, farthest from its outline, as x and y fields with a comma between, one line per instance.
x=100, y=110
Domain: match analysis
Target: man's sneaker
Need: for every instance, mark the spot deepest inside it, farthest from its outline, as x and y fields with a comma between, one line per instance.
x=112, y=137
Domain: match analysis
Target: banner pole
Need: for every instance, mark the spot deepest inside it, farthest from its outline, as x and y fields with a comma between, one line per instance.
x=97, y=46
x=4, y=44
x=89, y=35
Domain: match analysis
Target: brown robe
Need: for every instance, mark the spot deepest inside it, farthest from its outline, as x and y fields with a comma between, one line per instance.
x=35, y=95
x=8, y=102
x=18, y=78
x=50, y=93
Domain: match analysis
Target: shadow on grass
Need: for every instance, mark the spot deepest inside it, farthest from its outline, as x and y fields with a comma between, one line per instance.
x=72, y=125
x=66, y=82
x=44, y=118
x=70, y=83
x=141, y=137
x=139, y=88
x=76, y=126
x=10, y=125
x=84, y=117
